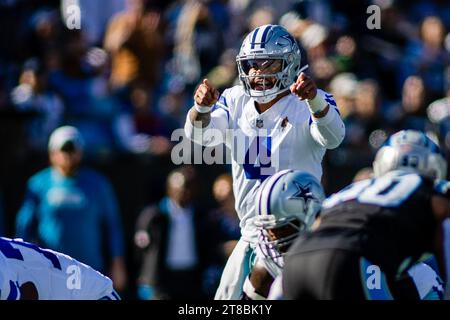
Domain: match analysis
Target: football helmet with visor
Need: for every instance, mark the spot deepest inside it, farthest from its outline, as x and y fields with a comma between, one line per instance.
x=268, y=62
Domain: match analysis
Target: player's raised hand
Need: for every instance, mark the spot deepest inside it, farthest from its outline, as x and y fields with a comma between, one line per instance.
x=304, y=87
x=206, y=94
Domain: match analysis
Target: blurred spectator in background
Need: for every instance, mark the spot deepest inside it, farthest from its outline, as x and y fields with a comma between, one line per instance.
x=73, y=209
x=343, y=87
x=172, y=104
x=225, y=74
x=428, y=57
x=81, y=82
x=410, y=112
x=95, y=16
x=142, y=129
x=420, y=9
x=367, y=123
x=33, y=95
x=261, y=16
x=43, y=32
x=361, y=106
x=135, y=40
x=382, y=48
x=294, y=22
x=439, y=114
x=324, y=70
x=346, y=52
x=169, y=235
x=199, y=39
x=223, y=232
x=314, y=39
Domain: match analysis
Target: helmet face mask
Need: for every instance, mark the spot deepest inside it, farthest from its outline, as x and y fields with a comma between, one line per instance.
x=268, y=43
x=413, y=151
x=274, y=242
x=287, y=205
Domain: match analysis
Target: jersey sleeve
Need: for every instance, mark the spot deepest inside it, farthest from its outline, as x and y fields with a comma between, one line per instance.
x=328, y=131
x=215, y=133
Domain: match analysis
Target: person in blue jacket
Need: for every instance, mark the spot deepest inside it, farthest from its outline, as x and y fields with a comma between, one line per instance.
x=73, y=209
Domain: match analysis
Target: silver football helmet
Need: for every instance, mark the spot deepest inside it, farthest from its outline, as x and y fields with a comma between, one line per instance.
x=274, y=49
x=287, y=203
x=410, y=150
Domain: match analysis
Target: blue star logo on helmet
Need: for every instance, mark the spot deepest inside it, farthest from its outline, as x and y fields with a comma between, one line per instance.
x=303, y=192
x=287, y=37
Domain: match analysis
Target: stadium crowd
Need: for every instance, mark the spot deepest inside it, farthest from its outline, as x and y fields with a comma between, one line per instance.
x=125, y=80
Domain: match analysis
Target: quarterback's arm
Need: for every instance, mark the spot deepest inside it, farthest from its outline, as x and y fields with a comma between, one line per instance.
x=211, y=135
x=208, y=129
x=326, y=126
x=207, y=120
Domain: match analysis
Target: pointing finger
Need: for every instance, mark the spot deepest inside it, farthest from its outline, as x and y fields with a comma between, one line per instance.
x=207, y=83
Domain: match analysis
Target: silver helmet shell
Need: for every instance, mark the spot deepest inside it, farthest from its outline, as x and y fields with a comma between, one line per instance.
x=269, y=42
x=288, y=198
x=410, y=150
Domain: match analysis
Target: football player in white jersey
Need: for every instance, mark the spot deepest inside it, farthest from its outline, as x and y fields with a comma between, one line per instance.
x=287, y=204
x=276, y=119
x=28, y=272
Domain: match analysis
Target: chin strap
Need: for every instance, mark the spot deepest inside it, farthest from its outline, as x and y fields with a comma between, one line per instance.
x=270, y=97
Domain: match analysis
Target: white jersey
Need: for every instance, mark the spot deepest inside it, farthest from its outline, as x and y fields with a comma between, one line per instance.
x=285, y=136
x=55, y=275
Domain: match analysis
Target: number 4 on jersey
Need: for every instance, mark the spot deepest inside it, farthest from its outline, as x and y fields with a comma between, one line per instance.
x=258, y=164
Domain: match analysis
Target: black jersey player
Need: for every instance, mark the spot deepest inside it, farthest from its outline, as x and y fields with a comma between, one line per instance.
x=373, y=231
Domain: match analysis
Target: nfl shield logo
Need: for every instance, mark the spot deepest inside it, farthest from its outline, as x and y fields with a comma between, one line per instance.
x=259, y=123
